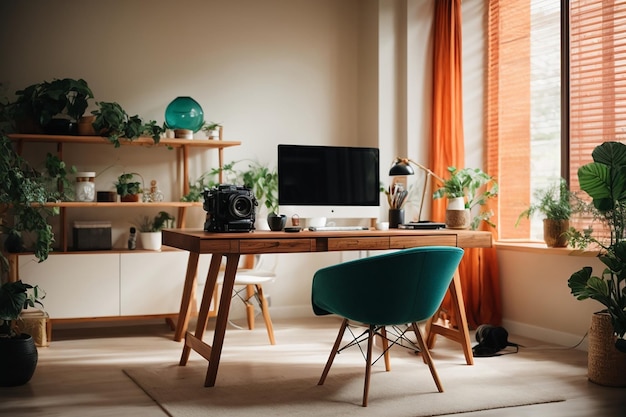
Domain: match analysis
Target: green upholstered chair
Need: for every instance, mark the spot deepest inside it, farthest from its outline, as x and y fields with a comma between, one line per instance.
x=403, y=287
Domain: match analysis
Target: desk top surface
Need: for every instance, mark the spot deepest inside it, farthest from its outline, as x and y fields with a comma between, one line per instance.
x=199, y=241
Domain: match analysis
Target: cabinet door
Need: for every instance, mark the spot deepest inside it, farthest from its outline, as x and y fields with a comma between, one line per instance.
x=76, y=285
x=152, y=283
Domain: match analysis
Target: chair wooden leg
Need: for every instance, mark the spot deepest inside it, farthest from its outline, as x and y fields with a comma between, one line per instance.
x=266, y=314
x=426, y=356
x=250, y=306
x=385, y=344
x=333, y=352
x=368, y=364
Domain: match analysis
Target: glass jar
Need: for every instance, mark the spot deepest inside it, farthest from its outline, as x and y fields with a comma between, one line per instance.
x=85, y=188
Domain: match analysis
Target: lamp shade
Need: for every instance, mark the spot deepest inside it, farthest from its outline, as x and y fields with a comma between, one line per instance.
x=184, y=113
x=401, y=167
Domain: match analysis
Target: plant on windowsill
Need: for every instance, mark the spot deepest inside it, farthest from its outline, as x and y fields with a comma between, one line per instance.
x=127, y=189
x=150, y=229
x=555, y=203
x=467, y=190
x=23, y=217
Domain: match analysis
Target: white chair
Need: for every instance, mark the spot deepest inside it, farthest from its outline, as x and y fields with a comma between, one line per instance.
x=249, y=285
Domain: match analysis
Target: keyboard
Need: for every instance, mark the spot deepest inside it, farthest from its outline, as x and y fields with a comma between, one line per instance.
x=337, y=228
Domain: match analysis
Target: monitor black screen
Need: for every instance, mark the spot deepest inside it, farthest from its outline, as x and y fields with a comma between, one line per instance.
x=328, y=176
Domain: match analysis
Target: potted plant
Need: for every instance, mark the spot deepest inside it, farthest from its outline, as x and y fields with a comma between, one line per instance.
x=604, y=180
x=18, y=353
x=22, y=213
x=127, y=189
x=112, y=122
x=212, y=130
x=263, y=181
x=150, y=229
x=55, y=106
x=467, y=189
x=554, y=202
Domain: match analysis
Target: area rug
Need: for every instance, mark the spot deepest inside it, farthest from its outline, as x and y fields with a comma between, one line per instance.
x=282, y=381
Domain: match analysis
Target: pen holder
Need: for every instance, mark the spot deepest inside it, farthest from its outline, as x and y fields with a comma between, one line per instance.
x=396, y=217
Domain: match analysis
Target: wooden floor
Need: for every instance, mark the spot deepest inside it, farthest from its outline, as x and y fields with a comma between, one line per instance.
x=80, y=374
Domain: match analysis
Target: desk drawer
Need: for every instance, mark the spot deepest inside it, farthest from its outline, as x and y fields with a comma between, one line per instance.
x=356, y=243
x=275, y=245
x=403, y=242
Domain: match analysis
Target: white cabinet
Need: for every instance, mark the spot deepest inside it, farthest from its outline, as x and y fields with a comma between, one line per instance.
x=108, y=285
x=151, y=283
x=76, y=285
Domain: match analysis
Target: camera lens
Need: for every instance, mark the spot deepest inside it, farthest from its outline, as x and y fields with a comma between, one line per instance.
x=241, y=206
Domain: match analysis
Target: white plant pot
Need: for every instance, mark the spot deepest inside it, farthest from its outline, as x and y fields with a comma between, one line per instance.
x=456, y=203
x=150, y=240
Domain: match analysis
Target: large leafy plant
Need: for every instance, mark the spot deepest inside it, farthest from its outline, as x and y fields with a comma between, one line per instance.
x=44, y=101
x=23, y=194
x=604, y=180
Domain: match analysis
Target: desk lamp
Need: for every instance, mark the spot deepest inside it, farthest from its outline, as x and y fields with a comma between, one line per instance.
x=185, y=116
x=402, y=166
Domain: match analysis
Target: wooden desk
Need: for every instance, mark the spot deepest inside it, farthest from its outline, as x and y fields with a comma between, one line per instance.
x=233, y=245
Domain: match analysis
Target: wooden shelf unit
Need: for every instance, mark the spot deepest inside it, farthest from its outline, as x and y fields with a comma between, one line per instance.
x=181, y=146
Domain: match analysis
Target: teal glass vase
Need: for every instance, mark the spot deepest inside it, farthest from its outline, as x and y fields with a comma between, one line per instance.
x=184, y=113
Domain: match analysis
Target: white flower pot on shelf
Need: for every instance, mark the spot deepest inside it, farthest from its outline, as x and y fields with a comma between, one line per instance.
x=150, y=240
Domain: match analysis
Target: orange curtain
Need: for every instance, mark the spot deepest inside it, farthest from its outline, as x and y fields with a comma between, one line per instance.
x=478, y=269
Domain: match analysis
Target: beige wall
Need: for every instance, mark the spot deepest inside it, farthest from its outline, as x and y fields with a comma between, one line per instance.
x=536, y=299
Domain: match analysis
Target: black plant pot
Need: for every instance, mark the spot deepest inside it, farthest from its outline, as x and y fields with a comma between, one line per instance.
x=18, y=360
x=61, y=127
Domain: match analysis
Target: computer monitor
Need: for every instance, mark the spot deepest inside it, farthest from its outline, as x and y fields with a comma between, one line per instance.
x=328, y=181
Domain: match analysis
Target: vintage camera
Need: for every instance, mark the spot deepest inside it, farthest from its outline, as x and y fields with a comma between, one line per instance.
x=230, y=208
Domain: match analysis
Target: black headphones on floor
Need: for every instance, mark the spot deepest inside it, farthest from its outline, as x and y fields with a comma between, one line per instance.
x=491, y=340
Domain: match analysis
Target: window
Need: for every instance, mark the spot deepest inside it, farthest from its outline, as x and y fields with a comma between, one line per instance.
x=523, y=109
x=524, y=112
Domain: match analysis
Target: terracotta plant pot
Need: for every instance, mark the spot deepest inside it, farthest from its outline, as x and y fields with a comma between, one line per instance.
x=85, y=126
x=554, y=233
x=130, y=198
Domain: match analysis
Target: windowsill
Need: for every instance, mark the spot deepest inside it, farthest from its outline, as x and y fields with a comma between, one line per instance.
x=541, y=248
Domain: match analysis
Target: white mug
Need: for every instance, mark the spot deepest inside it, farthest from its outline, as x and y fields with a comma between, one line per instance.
x=382, y=225
x=317, y=222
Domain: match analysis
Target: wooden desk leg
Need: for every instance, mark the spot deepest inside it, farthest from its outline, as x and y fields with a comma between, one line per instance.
x=232, y=260
x=460, y=335
x=205, y=305
x=188, y=291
